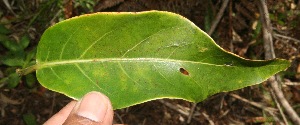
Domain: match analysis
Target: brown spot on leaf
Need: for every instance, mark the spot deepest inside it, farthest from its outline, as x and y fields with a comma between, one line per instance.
x=183, y=71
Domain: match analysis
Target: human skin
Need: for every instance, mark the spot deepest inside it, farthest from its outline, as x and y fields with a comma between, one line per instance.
x=93, y=109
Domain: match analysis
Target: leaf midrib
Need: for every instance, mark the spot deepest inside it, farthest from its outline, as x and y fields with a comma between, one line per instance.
x=41, y=65
x=62, y=62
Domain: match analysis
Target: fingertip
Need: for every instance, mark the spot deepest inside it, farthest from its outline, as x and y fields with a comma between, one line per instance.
x=94, y=107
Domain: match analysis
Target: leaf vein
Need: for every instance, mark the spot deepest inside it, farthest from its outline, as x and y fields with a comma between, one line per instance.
x=162, y=75
x=47, y=56
x=123, y=70
x=83, y=72
x=148, y=38
x=64, y=46
x=172, y=52
x=56, y=74
x=96, y=41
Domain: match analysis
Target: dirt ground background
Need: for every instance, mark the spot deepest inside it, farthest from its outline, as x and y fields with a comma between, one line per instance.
x=239, y=31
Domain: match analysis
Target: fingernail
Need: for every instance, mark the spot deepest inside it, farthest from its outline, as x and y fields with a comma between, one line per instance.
x=93, y=106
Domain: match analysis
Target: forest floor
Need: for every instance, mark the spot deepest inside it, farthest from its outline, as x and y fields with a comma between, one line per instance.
x=239, y=31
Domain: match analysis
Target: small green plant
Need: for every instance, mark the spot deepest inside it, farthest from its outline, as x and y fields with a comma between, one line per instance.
x=137, y=57
x=86, y=5
x=15, y=56
x=29, y=119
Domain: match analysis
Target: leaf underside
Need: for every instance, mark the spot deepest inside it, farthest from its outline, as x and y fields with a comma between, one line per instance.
x=137, y=57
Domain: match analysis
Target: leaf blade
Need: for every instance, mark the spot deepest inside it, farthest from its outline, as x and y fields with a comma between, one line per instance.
x=141, y=57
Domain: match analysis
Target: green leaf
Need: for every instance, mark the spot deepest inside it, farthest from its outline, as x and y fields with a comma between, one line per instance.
x=29, y=57
x=13, y=80
x=29, y=119
x=3, y=38
x=4, y=30
x=30, y=80
x=11, y=45
x=137, y=57
x=14, y=58
x=24, y=41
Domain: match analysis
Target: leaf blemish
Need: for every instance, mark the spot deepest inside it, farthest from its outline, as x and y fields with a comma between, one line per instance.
x=183, y=71
x=228, y=64
x=202, y=49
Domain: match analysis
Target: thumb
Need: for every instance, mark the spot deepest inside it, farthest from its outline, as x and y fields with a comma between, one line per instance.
x=93, y=109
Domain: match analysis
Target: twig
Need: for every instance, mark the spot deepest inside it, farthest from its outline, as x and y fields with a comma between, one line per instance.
x=224, y=113
x=9, y=7
x=289, y=83
x=222, y=100
x=218, y=17
x=178, y=109
x=267, y=30
x=276, y=118
x=269, y=54
x=268, y=109
x=230, y=34
x=286, y=37
x=292, y=83
x=281, y=99
x=174, y=108
x=119, y=117
x=191, y=113
x=277, y=104
x=52, y=21
x=208, y=119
